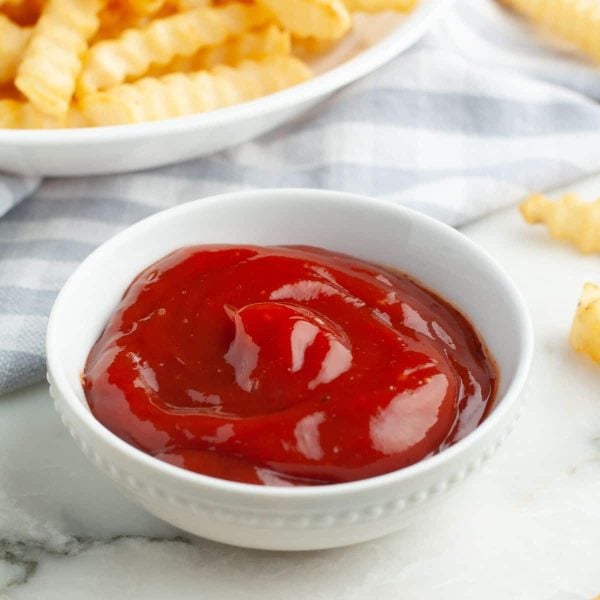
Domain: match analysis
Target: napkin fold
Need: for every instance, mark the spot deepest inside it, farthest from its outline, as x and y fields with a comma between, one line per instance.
x=482, y=111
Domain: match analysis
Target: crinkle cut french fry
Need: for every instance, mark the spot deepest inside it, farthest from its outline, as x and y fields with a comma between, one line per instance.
x=52, y=59
x=568, y=219
x=322, y=19
x=181, y=94
x=13, y=40
x=15, y=114
x=585, y=331
x=253, y=45
x=111, y=62
x=577, y=21
x=380, y=5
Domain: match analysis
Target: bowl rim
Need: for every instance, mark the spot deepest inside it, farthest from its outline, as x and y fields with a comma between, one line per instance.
x=503, y=403
x=349, y=71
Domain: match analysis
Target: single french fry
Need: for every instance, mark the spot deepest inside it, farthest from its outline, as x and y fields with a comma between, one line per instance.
x=15, y=114
x=568, y=219
x=13, y=40
x=380, y=5
x=322, y=19
x=254, y=45
x=179, y=94
x=52, y=59
x=585, y=331
x=577, y=21
x=111, y=62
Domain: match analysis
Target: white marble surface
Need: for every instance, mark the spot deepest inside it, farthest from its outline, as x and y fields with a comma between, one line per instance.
x=526, y=528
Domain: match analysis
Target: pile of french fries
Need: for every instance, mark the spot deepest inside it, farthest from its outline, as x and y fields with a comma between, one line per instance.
x=85, y=63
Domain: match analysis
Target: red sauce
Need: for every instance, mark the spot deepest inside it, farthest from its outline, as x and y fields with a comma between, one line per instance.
x=286, y=366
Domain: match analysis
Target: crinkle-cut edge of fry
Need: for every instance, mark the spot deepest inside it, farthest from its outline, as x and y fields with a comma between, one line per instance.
x=38, y=68
x=257, y=44
x=580, y=227
x=130, y=105
x=302, y=16
x=585, y=330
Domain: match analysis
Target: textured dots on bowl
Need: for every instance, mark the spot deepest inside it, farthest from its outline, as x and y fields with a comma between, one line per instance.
x=458, y=477
x=374, y=512
x=398, y=505
x=439, y=487
x=418, y=497
x=299, y=522
x=115, y=472
x=156, y=493
x=132, y=482
x=349, y=517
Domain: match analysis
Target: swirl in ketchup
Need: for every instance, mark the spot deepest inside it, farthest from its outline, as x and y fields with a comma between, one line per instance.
x=286, y=366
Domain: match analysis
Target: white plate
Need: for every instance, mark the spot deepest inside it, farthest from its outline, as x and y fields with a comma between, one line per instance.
x=141, y=146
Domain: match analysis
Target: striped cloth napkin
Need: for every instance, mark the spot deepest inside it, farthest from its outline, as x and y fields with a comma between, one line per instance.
x=479, y=113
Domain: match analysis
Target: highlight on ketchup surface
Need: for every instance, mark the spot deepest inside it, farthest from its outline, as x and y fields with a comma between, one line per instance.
x=286, y=366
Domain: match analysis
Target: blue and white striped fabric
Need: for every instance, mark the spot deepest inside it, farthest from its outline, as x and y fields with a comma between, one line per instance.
x=474, y=117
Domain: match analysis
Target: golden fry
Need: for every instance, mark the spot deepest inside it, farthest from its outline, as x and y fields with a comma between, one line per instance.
x=585, y=331
x=321, y=19
x=111, y=62
x=380, y=5
x=577, y=21
x=255, y=45
x=15, y=114
x=179, y=94
x=13, y=40
x=52, y=60
x=568, y=219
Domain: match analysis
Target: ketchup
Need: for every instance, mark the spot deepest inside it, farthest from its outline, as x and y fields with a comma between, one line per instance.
x=286, y=366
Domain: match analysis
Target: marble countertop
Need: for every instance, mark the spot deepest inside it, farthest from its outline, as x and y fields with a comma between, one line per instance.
x=525, y=528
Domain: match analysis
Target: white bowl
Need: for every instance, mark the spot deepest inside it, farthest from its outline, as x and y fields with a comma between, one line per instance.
x=301, y=517
x=141, y=146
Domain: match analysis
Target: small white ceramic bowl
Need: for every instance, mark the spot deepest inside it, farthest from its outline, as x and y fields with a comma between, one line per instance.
x=86, y=151
x=301, y=517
